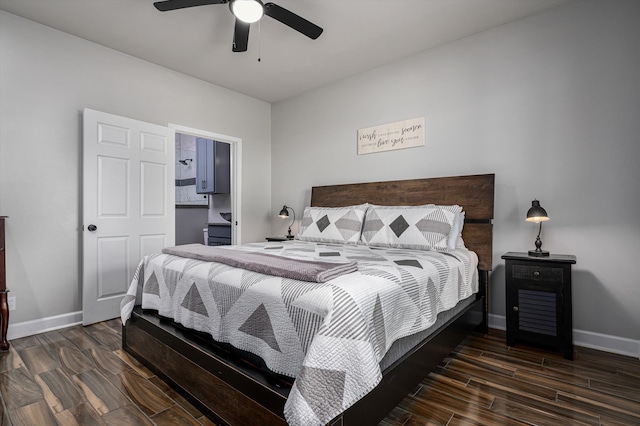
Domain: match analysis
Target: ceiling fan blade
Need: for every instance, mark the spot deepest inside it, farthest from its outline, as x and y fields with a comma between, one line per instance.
x=166, y=5
x=294, y=21
x=240, y=36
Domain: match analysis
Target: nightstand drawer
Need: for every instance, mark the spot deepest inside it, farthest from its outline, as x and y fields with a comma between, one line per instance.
x=537, y=273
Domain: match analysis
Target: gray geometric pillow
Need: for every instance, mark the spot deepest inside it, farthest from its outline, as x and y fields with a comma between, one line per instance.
x=332, y=224
x=415, y=227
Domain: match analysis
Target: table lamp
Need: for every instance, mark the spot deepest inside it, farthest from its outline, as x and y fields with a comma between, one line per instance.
x=284, y=213
x=537, y=214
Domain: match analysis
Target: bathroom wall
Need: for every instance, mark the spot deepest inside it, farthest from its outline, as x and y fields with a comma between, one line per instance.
x=186, y=173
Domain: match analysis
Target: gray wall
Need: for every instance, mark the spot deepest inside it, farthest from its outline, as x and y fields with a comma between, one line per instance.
x=46, y=79
x=190, y=221
x=550, y=104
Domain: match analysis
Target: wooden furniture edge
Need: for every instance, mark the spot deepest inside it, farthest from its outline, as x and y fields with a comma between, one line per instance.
x=4, y=302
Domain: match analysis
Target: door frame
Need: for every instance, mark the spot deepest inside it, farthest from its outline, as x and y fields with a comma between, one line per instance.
x=236, y=172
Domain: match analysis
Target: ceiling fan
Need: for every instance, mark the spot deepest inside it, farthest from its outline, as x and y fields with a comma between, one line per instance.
x=247, y=12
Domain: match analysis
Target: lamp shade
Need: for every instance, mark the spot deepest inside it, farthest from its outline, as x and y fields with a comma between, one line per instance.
x=248, y=11
x=284, y=213
x=536, y=213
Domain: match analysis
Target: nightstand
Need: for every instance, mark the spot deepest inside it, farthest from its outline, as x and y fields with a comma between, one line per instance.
x=538, y=296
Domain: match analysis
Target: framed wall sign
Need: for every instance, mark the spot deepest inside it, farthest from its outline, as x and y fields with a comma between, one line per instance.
x=387, y=137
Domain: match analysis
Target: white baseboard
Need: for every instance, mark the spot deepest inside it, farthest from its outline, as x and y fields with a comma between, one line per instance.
x=29, y=328
x=607, y=343
x=587, y=339
x=498, y=321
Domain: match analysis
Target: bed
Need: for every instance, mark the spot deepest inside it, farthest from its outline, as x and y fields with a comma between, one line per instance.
x=238, y=387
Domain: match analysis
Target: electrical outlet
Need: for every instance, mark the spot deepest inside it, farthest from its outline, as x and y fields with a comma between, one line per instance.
x=12, y=303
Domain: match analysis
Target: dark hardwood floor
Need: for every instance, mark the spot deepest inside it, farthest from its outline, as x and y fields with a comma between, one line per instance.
x=80, y=376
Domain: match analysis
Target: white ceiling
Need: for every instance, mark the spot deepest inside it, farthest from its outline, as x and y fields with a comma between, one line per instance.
x=358, y=35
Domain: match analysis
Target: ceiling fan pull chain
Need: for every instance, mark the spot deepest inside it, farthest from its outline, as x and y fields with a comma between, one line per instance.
x=259, y=40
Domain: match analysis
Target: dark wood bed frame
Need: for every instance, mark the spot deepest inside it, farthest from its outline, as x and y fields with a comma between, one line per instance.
x=229, y=391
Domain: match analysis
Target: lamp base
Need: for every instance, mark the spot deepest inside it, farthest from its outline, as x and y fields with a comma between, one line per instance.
x=538, y=253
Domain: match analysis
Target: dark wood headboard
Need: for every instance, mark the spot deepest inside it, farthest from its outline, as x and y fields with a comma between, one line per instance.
x=475, y=193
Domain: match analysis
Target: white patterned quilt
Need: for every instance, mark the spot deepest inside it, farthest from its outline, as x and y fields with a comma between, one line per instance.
x=329, y=336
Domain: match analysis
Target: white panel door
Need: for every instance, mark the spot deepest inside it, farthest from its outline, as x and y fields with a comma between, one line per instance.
x=128, y=205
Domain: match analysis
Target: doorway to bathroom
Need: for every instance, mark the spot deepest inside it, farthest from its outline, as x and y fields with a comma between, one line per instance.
x=198, y=213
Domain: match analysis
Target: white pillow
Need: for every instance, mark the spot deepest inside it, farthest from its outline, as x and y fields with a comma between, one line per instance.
x=455, y=236
x=341, y=225
x=415, y=227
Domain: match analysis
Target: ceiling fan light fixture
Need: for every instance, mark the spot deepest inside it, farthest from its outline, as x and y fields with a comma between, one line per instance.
x=248, y=11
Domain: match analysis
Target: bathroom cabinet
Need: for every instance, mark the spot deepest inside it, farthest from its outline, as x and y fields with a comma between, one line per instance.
x=212, y=167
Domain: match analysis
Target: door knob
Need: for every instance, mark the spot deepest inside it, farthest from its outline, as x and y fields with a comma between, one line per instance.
x=92, y=227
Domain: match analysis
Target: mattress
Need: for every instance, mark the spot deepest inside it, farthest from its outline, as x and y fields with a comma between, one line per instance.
x=331, y=337
x=402, y=346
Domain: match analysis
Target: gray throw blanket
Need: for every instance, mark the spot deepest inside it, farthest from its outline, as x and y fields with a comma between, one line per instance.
x=264, y=263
